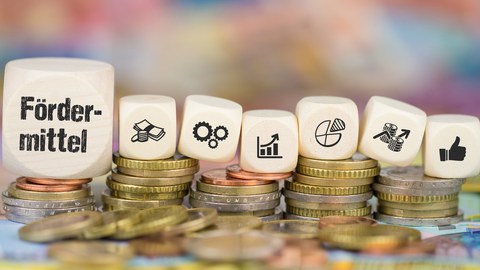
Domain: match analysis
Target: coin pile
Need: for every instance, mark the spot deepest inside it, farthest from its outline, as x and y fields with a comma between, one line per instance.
x=330, y=187
x=29, y=199
x=143, y=184
x=408, y=197
x=233, y=191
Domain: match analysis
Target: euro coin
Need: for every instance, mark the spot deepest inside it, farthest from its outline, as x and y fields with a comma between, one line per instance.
x=357, y=162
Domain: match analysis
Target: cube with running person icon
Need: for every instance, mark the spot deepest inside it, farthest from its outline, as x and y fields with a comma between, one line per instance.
x=210, y=128
x=450, y=147
x=391, y=131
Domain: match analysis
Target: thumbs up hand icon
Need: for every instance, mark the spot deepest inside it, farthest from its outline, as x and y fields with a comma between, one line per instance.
x=455, y=152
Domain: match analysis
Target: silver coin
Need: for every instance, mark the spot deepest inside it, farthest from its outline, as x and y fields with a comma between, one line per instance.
x=7, y=199
x=413, y=177
x=216, y=198
x=236, y=207
x=292, y=216
x=327, y=199
x=277, y=216
x=415, y=192
x=36, y=212
x=21, y=219
x=421, y=222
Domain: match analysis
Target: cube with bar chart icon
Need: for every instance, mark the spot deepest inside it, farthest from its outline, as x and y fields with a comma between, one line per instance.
x=391, y=131
x=269, y=141
x=328, y=127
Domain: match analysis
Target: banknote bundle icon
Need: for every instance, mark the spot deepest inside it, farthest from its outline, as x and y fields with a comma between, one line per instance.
x=146, y=130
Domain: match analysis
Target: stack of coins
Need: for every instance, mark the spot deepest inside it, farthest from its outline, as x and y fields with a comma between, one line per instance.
x=29, y=199
x=233, y=191
x=143, y=184
x=408, y=197
x=330, y=188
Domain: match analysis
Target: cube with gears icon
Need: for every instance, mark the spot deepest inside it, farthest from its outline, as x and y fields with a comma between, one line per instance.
x=391, y=131
x=147, y=127
x=451, y=146
x=327, y=127
x=210, y=128
x=269, y=141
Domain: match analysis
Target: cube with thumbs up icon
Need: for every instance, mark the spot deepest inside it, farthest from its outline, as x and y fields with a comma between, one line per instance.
x=451, y=144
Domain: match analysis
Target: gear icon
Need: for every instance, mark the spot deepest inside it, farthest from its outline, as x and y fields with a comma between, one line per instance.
x=200, y=137
x=223, y=136
x=212, y=143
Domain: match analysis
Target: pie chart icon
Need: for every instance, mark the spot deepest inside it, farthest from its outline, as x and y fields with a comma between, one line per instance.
x=328, y=132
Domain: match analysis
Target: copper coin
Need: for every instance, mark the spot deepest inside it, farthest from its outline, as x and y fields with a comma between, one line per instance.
x=52, y=181
x=23, y=184
x=332, y=221
x=220, y=177
x=235, y=171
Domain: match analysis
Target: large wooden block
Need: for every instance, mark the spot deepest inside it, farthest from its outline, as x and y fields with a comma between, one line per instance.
x=210, y=128
x=327, y=127
x=451, y=146
x=269, y=142
x=147, y=127
x=391, y=131
x=58, y=117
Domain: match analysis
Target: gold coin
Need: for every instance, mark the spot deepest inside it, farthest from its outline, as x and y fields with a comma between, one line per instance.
x=149, y=196
x=304, y=212
x=60, y=226
x=417, y=214
x=333, y=221
x=91, y=254
x=173, y=163
x=237, y=190
x=420, y=206
x=156, y=174
x=142, y=189
x=331, y=191
x=327, y=173
x=256, y=213
x=300, y=229
x=237, y=223
x=111, y=222
x=357, y=162
x=415, y=199
x=119, y=203
x=332, y=182
x=362, y=236
x=150, y=181
x=13, y=191
x=198, y=219
x=153, y=221
x=325, y=206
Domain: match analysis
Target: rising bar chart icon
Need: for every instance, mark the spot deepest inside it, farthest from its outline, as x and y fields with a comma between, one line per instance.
x=270, y=149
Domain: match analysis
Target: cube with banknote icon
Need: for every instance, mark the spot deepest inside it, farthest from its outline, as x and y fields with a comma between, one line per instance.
x=450, y=147
x=391, y=131
x=147, y=127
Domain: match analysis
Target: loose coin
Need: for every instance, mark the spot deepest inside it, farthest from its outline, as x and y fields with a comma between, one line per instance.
x=327, y=199
x=413, y=177
x=237, y=223
x=39, y=212
x=42, y=204
x=219, y=177
x=362, y=236
x=415, y=192
x=290, y=216
x=420, y=206
x=259, y=213
x=175, y=162
x=158, y=247
x=327, y=173
x=155, y=174
x=47, y=196
x=332, y=221
x=417, y=214
x=325, y=206
x=149, y=196
x=329, y=191
x=23, y=184
x=300, y=229
x=236, y=207
x=332, y=182
x=208, y=197
x=51, y=181
x=415, y=249
x=226, y=246
x=111, y=222
x=91, y=254
x=143, y=189
x=60, y=226
x=198, y=219
x=237, y=190
x=419, y=221
x=415, y=199
x=321, y=213
x=150, y=181
x=107, y=198
x=357, y=162
x=236, y=171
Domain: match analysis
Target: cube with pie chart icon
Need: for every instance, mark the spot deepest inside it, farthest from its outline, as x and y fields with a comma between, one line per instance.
x=328, y=127
x=391, y=131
